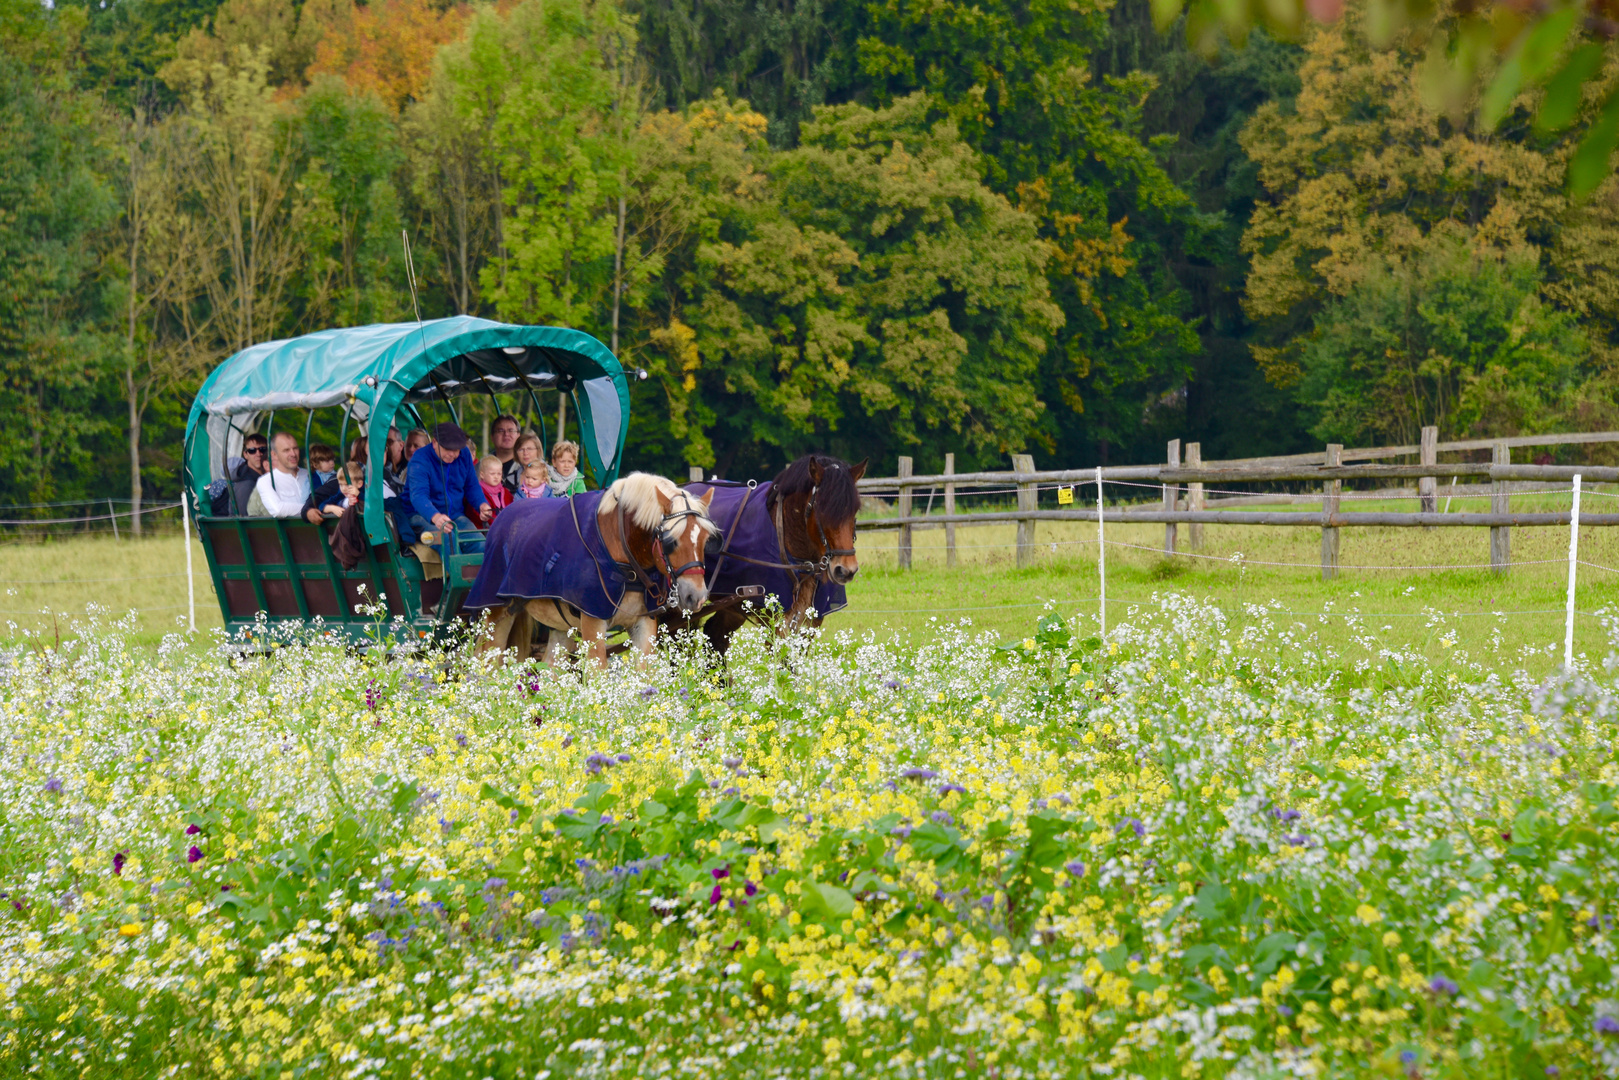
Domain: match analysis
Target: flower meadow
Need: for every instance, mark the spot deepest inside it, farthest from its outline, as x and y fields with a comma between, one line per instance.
x=1190, y=850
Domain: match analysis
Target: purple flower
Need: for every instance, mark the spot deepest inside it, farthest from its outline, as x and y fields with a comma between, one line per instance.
x=1441, y=985
x=54, y=785
x=1285, y=815
x=732, y=763
x=920, y=774
x=1408, y=1058
x=941, y=816
x=595, y=763
x=721, y=872
x=460, y=740
x=118, y=863
x=649, y=691
x=750, y=888
x=373, y=695
x=1075, y=868
x=716, y=896
x=901, y=831
x=1607, y=1025
x=494, y=885
x=890, y=684
x=1134, y=824
x=624, y=759
x=1553, y=1070
x=193, y=830
x=945, y=789
x=194, y=854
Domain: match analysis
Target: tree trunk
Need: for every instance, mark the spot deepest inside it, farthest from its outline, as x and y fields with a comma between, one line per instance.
x=129, y=342
x=135, y=490
x=618, y=272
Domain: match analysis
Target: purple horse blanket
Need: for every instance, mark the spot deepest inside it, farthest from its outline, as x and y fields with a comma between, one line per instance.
x=535, y=551
x=750, y=532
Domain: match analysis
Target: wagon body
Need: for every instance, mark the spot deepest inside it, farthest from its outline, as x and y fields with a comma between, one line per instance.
x=283, y=569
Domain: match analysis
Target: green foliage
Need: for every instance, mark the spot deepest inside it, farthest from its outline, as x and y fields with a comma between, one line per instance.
x=1447, y=334
x=54, y=196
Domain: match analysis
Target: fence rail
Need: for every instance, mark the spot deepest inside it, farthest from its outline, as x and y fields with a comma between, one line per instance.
x=1187, y=505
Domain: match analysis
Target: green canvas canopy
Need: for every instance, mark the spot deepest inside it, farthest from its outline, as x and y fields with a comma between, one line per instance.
x=375, y=371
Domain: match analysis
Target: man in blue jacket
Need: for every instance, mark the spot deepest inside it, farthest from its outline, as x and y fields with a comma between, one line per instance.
x=440, y=481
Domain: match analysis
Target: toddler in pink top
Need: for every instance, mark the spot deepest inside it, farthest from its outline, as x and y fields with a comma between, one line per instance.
x=535, y=481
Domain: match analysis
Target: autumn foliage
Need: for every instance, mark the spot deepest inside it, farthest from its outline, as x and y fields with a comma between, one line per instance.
x=386, y=46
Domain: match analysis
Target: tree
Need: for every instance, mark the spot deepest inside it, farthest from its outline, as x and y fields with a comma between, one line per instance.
x=1446, y=334
x=561, y=135
x=864, y=288
x=157, y=258
x=352, y=270
x=385, y=47
x=245, y=191
x=1016, y=79
x=55, y=147
x=1480, y=58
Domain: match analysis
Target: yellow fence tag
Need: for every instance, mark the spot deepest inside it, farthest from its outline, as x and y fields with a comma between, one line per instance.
x=1065, y=496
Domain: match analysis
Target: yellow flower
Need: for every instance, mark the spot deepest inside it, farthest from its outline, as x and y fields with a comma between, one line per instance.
x=130, y=929
x=1367, y=914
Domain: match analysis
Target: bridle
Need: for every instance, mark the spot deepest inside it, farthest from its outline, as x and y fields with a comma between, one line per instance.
x=639, y=579
x=818, y=567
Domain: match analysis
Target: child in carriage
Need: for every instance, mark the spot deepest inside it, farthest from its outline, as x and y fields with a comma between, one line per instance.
x=490, y=471
x=534, y=482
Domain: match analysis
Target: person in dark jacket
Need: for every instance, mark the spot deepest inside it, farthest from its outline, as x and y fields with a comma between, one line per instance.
x=441, y=480
x=232, y=497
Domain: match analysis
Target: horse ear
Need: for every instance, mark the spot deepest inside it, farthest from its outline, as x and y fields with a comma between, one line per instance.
x=859, y=470
x=708, y=498
x=815, y=472
x=664, y=501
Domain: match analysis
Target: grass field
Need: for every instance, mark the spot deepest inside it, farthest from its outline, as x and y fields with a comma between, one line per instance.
x=1505, y=614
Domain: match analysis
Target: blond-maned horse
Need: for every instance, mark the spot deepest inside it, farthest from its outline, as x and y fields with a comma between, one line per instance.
x=654, y=535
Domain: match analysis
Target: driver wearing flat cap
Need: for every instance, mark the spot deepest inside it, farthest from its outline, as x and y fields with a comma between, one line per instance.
x=442, y=486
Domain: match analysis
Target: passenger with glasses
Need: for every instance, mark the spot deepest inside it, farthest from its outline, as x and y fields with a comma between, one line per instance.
x=229, y=497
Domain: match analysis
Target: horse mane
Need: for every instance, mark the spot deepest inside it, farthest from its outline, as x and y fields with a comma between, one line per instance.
x=837, y=499
x=639, y=493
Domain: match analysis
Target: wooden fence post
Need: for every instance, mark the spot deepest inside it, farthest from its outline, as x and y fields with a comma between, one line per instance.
x=1171, y=496
x=694, y=474
x=1028, y=500
x=949, y=509
x=904, y=512
x=1194, y=494
x=1428, y=486
x=1329, y=505
x=1500, y=503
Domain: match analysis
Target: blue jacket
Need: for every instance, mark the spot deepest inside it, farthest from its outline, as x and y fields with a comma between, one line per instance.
x=432, y=487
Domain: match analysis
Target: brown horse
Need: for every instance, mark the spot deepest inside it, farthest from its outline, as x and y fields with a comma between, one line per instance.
x=791, y=539
x=653, y=536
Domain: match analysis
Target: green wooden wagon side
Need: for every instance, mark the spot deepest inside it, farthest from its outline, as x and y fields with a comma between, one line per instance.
x=282, y=569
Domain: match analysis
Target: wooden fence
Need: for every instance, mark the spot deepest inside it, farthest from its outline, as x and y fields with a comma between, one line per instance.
x=1188, y=506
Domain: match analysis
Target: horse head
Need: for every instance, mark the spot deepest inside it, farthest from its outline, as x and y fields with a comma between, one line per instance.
x=818, y=501
x=665, y=529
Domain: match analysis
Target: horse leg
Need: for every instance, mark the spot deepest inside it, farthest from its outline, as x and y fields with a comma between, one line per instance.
x=719, y=628
x=594, y=631
x=644, y=635
x=500, y=634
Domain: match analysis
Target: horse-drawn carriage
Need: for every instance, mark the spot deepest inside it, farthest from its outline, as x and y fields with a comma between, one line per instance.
x=375, y=377
x=791, y=538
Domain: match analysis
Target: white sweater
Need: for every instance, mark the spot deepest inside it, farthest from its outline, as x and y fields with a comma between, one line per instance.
x=282, y=494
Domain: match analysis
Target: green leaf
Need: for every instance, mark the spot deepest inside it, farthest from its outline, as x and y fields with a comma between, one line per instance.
x=1563, y=90
x=1545, y=43
x=1590, y=165
x=405, y=796
x=652, y=809
x=499, y=797
x=822, y=899
x=1502, y=90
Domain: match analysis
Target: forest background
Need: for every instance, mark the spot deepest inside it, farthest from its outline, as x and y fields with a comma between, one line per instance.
x=870, y=228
